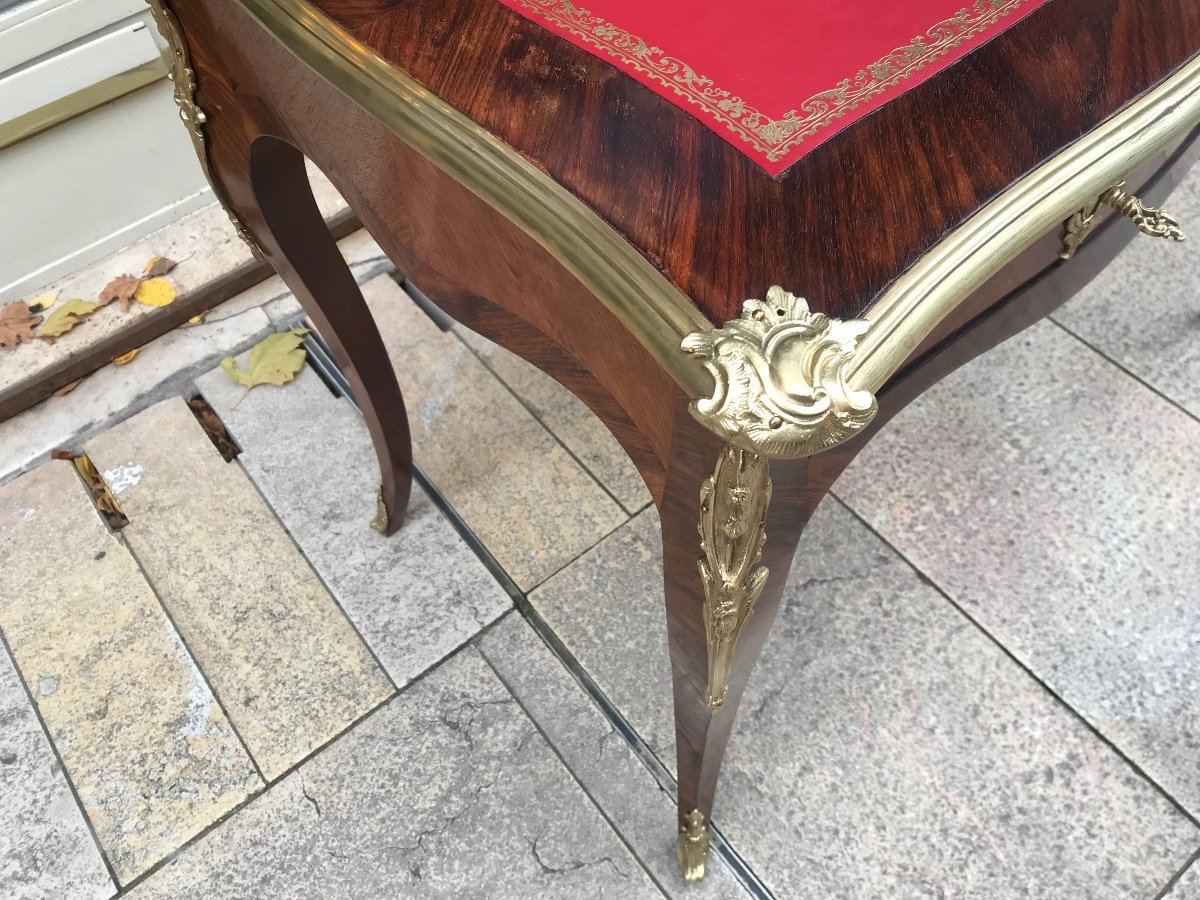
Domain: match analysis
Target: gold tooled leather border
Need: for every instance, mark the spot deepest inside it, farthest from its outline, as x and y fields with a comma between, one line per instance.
x=774, y=137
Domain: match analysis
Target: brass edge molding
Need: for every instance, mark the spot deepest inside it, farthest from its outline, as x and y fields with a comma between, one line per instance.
x=692, y=847
x=632, y=289
x=733, y=530
x=653, y=310
x=184, y=79
x=780, y=378
x=788, y=402
x=920, y=298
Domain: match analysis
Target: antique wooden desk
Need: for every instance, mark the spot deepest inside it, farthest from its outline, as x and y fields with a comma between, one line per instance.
x=932, y=178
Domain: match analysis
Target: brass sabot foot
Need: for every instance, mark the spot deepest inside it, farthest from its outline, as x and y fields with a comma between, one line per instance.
x=692, y=847
x=380, y=522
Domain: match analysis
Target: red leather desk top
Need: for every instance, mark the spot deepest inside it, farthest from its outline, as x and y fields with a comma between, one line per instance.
x=776, y=78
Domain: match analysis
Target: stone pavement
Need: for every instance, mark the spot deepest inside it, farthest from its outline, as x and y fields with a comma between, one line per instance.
x=983, y=682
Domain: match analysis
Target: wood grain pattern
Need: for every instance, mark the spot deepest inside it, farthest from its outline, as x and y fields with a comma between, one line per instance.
x=475, y=264
x=838, y=226
x=842, y=223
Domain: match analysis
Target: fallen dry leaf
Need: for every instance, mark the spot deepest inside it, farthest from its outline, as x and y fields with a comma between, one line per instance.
x=17, y=322
x=125, y=357
x=197, y=320
x=66, y=389
x=155, y=292
x=66, y=317
x=214, y=428
x=273, y=360
x=159, y=265
x=102, y=496
x=43, y=303
x=120, y=289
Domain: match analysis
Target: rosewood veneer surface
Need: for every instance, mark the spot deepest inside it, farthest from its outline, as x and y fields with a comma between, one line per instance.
x=844, y=221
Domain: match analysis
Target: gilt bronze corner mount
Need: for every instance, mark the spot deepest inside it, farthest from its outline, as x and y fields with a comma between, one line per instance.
x=780, y=375
x=733, y=521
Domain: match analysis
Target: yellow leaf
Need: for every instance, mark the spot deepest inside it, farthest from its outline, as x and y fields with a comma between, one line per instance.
x=43, y=303
x=273, y=360
x=125, y=357
x=66, y=317
x=197, y=320
x=155, y=292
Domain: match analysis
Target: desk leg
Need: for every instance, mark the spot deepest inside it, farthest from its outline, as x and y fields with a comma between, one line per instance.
x=298, y=244
x=730, y=524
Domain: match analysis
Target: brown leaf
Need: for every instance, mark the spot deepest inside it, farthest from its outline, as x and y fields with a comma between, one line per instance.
x=65, y=317
x=16, y=323
x=66, y=389
x=214, y=428
x=125, y=358
x=159, y=265
x=106, y=502
x=120, y=289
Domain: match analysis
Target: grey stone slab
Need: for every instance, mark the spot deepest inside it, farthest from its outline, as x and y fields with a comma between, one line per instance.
x=162, y=368
x=285, y=662
x=885, y=747
x=1188, y=886
x=603, y=762
x=447, y=792
x=414, y=596
x=531, y=504
x=568, y=418
x=1142, y=310
x=150, y=752
x=46, y=850
x=1068, y=524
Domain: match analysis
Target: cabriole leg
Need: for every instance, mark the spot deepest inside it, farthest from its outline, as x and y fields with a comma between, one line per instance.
x=730, y=524
x=299, y=246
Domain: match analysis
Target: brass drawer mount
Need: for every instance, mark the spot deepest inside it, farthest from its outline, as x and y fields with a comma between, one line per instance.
x=1148, y=219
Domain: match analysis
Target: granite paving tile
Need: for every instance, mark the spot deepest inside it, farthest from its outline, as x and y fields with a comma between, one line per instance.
x=152, y=756
x=447, y=792
x=1188, y=887
x=46, y=850
x=532, y=505
x=282, y=658
x=885, y=747
x=568, y=419
x=1068, y=525
x=1141, y=311
x=161, y=368
x=599, y=757
x=414, y=596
